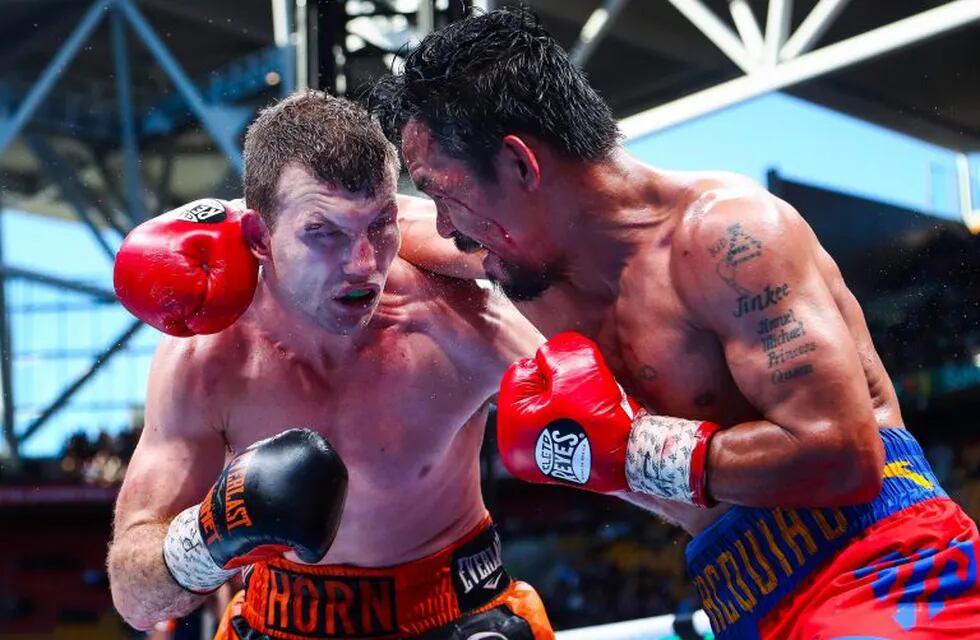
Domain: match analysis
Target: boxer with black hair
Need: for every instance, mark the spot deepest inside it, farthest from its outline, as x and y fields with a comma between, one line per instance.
x=706, y=359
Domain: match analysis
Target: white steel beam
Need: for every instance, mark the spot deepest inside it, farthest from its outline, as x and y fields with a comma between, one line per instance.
x=716, y=31
x=426, y=18
x=866, y=46
x=777, y=28
x=280, y=23
x=302, y=48
x=812, y=28
x=595, y=29
x=748, y=28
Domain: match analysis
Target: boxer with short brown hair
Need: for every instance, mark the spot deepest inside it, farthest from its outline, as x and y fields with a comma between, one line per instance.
x=369, y=522
x=721, y=373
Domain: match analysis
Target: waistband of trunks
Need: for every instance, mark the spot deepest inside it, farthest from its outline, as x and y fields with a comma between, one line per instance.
x=296, y=601
x=749, y=559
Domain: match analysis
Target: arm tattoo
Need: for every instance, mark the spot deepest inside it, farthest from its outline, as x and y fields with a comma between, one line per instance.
x=782, y=338
x=737, y=248
x=772, y=294
x=648, y=373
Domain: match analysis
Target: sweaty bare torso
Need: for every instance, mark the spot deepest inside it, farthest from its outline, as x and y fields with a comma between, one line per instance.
x=406, y=417
x=672, y=366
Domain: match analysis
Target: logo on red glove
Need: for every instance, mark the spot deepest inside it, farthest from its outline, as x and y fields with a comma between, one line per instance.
x=208, y=211
x=563, y=452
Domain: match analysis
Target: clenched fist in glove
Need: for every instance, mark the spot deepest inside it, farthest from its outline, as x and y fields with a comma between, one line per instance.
x=563, y=418
x=188, y=271
x=285, y=493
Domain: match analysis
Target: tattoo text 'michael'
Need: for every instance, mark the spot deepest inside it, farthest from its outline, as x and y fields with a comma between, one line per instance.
x=779, y=336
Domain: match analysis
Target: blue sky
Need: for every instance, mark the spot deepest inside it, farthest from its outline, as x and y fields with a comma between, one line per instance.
x=68, y=323
x=813, y=144
x=801, y=140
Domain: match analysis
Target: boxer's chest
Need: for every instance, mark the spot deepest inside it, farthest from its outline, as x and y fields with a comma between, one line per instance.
x=661, y=359
x=390, y=413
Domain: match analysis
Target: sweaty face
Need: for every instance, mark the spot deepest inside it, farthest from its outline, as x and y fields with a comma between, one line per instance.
x=331, y=249
x=483, y=214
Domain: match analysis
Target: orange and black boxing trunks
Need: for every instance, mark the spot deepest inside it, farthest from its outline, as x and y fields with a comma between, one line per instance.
x=460, y=592
x=901, y=566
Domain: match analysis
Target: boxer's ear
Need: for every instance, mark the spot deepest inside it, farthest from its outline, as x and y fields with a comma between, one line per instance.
x=521, y=162
x=256, y=234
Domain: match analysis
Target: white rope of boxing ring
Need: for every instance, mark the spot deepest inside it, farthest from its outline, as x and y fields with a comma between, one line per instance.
x=656, y=628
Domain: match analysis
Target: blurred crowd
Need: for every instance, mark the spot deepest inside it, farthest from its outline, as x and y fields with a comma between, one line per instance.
x=597, y=564
x=957, y=465
x=926, y=311
x=100, y=461
x=626, y=567
x=594, y=565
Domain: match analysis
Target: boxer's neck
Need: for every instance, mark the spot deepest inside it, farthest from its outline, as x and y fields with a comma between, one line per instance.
x=298, y=335
x=613, y=208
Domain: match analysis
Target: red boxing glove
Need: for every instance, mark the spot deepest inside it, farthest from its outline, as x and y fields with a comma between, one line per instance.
x=188, y=271
x=563, y=418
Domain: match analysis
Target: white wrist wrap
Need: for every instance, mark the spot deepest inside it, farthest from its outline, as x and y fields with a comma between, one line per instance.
x=188, y=558
x=658, y=457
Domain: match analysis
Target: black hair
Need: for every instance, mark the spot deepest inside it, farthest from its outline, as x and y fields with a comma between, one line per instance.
x=486, y=76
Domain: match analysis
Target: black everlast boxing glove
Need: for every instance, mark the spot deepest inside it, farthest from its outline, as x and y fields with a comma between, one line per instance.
x=285, y=493
x=498, y=622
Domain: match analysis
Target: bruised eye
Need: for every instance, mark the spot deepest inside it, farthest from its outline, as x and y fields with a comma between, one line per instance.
x=319, y=230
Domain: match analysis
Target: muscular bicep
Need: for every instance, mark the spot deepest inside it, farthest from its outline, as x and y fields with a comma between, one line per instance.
x=179, y=454
x=423, y=247
x=753, y=279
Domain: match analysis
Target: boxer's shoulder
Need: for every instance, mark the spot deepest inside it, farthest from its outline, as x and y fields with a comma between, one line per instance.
x=733, y=236
x=200, y=351
x=718, y=209
x=696, y=183
x=197, y=370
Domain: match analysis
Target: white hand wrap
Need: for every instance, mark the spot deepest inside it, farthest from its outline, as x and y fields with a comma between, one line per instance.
x=666, y=458
x=187, y=557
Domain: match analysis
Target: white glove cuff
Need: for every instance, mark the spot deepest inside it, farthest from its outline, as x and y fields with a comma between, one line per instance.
x=187, y=556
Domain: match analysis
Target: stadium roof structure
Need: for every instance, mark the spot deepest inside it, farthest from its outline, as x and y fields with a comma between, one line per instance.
x=112, y=110
x=909, y=65
x=904, y=64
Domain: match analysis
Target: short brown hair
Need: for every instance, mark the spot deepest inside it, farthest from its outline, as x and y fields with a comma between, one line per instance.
x=336, y=139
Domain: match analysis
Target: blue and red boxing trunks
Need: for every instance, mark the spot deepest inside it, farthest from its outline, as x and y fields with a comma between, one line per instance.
x=901, y=566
